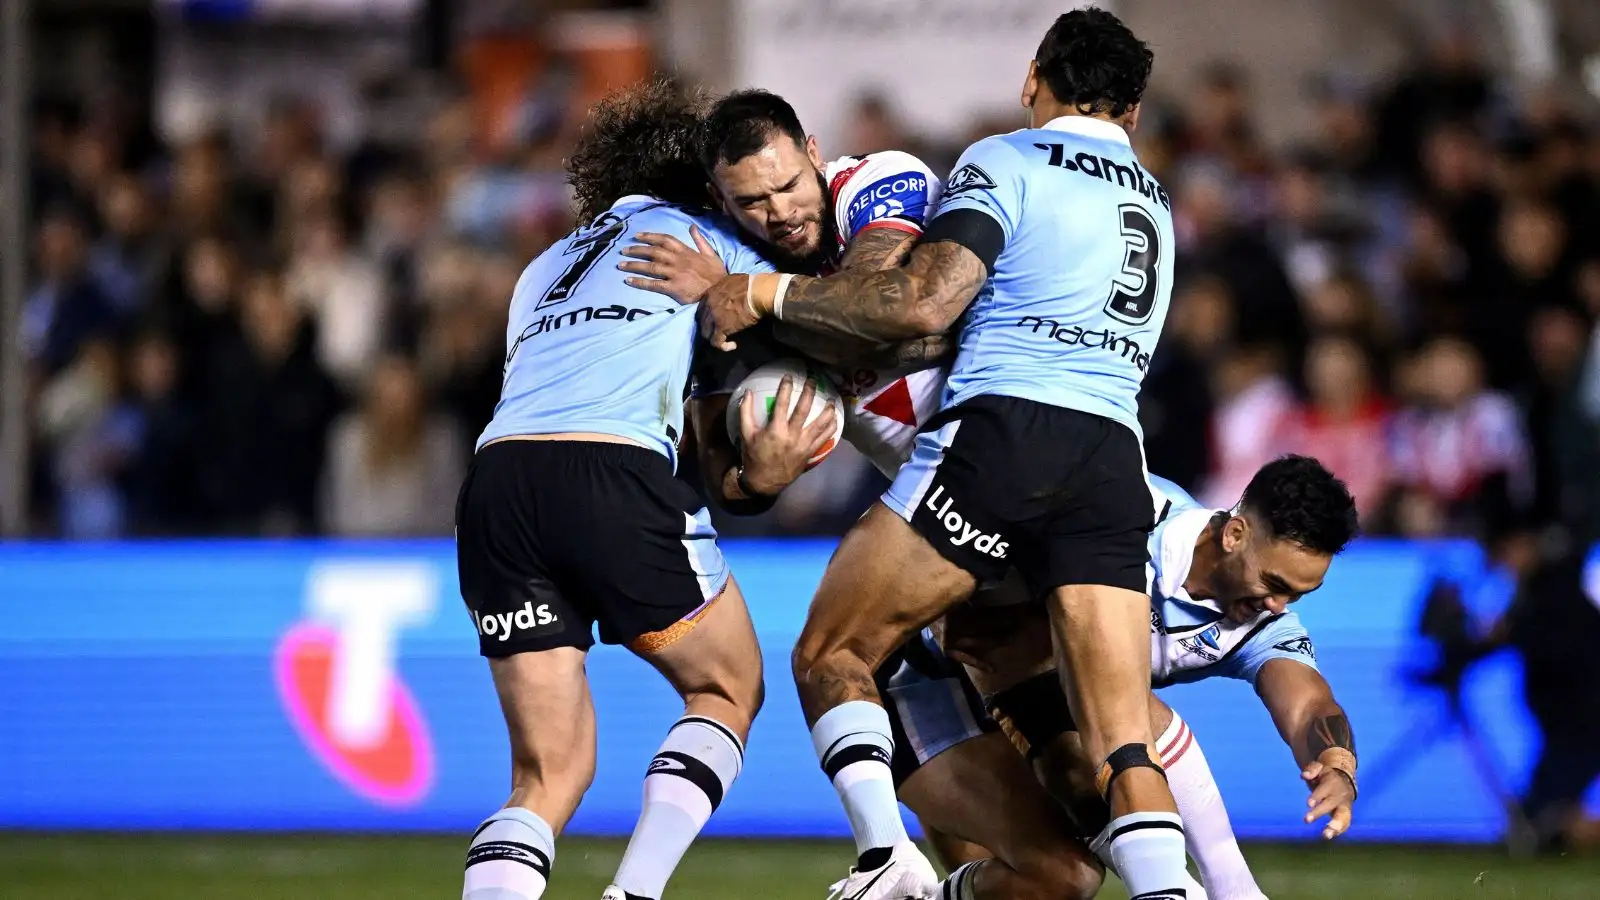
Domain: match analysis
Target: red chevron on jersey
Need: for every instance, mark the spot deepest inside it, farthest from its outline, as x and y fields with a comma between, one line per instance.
x=894, y=403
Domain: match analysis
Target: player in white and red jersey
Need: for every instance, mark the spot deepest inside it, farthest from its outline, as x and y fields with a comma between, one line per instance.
x=815, y=217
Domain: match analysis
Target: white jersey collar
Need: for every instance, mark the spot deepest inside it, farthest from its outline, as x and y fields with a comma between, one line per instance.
x=1089, y=128
x=1175, y=551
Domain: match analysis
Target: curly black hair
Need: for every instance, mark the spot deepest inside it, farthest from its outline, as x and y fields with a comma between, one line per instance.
x=1094, y=63
x=1301, y=501
x=641, y=139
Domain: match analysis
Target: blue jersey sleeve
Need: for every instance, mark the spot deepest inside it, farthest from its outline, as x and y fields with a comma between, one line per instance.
x=1284, y=638
x=737, y=256
x=987, y=178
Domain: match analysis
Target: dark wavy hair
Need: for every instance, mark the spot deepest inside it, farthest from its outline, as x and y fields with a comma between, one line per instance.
x=740, y=124
x=1301, y=501
x=1094, y=63
x=641, y=139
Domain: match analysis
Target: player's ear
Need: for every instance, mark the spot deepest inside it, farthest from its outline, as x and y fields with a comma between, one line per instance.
x=1030, y=86
x=1130, y=121
x=1234, y=533
x=813, y=153
x=716, y=195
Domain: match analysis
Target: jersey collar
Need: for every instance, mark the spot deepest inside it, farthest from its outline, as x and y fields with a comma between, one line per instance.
x=1089, y=128
x=1174, y=555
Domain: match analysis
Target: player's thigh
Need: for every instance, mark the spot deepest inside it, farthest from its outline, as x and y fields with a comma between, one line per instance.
x=883, y=584
x=981, y=791
x=549, y=715
x=714, y=654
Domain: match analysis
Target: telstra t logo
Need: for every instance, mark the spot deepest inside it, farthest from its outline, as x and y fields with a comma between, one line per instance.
x=336, y=676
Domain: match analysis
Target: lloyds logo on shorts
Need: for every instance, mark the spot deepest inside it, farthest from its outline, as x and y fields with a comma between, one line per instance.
x=501, y=625
x=961, y=531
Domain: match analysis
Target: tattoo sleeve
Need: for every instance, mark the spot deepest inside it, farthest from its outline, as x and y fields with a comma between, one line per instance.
x=1329, y=731
x=922, y=298
x=877, y=248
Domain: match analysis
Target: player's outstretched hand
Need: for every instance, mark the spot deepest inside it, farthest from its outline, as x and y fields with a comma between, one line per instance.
x=778, y=453
x=671, y=267
x=727, y=310
x=1333, y=793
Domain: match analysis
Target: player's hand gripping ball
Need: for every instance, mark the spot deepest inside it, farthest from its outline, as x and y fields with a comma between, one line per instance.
x=761, y=388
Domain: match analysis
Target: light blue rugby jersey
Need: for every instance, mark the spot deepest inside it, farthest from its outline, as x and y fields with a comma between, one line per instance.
x=1079, y=293
x=1191, y=639
x=587, y=352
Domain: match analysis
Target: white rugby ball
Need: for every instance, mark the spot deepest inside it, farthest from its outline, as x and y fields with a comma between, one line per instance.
x=761, y=387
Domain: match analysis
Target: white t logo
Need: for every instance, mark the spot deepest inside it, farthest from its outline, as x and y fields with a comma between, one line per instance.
x=366, y=604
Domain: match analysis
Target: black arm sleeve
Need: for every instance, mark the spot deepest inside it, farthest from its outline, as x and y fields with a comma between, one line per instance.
x=974, y=230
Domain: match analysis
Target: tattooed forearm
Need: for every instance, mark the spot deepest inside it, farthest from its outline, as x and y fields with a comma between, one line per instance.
x=839, y=350
x=1329, y=731
x=878, y=248
x=923, y=298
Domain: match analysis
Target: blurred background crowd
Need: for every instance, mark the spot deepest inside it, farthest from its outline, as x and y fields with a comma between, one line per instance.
x=291, y=321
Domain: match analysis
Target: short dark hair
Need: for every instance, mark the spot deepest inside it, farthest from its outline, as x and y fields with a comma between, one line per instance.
x=642, y=139
x=1093, y=63
x=740, y=124
x=1301, y=501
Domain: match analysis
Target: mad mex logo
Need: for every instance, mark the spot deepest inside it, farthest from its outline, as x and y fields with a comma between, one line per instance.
x=335, y=673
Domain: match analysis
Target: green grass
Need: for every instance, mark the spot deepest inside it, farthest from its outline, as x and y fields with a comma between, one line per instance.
x=317, y=867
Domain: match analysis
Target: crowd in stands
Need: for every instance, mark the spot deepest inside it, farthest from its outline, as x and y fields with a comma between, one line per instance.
x=260, y=333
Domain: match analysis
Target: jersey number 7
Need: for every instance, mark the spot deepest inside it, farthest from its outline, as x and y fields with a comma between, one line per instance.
x=1134, y=289
x=589, y=246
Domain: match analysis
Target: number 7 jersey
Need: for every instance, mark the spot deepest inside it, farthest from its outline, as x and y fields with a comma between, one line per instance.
x=1078, y=293
x=585, y=352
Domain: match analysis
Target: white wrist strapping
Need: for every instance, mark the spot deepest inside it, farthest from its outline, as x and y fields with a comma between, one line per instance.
x=777, y=299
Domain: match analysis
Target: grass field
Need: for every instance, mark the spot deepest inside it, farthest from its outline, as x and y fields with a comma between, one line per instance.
x=315, y=867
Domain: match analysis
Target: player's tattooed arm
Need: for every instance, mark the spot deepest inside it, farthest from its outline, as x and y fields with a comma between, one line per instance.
x=1328, y=730
x=877, y=248
x=871, y=250
x=1317, y=729
x=922, y=298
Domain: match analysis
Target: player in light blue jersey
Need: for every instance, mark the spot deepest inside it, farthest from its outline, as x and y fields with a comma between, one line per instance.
x=571, y=516
x=1222, y=582
x=1055, y=246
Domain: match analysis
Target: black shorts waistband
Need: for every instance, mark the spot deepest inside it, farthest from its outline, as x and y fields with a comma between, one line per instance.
x=627, y=455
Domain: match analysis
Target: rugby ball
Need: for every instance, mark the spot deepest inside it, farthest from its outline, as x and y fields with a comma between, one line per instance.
x=761, y=388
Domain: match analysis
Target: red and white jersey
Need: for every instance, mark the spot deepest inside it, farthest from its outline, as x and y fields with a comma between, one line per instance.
x=890, y=189
x=884, y=408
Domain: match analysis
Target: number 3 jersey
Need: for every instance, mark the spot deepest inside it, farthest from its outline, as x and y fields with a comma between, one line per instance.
x=585, y=352
x=1079, y=288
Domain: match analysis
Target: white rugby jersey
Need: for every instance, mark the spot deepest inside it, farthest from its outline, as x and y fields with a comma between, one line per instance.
x=1192, y=639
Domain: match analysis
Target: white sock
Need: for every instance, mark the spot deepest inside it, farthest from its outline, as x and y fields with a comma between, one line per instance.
x=854, y=744
x=962, y=883
x=509, y=858
x=687, y=780
x=1145, y=849
x=1205, y=819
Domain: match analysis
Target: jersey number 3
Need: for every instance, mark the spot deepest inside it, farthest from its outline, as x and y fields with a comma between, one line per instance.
x=1134, y=289
x=589, y=247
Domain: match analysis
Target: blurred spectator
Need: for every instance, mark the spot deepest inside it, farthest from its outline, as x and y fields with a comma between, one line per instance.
x=393, y=466
x=343, y=292
x=1461, y=458
x=873, y=126
x=158, y=478
x=132, y=260
x=1175, y=403
x=91, y=437
x=68, y=305
x=1253, y=422
x=1345, y=421
x=267, y=409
